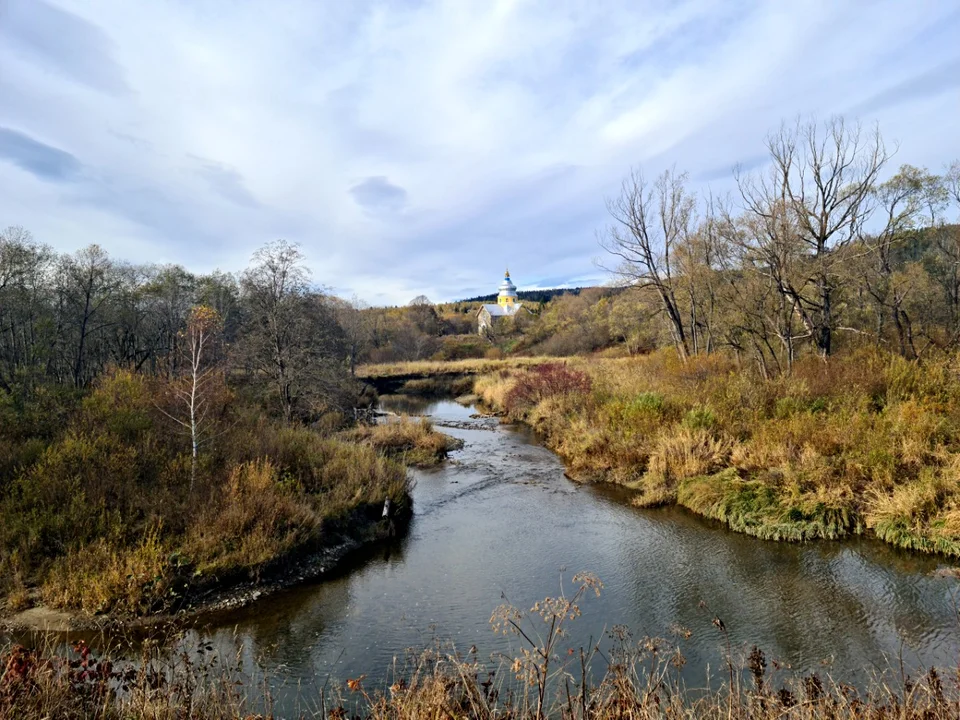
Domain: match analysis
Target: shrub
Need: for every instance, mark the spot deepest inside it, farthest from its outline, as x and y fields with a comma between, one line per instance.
x=461, y=347
x=701, y=418
x=544, y=381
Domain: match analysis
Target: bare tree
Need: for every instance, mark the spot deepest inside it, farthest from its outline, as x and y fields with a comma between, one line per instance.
x=951, y=181
x=169, y=294
x=291, y=334
x=946, y=264
x=699, y=256
x=221, y=291
x=820, y=192
x=88, y=281
x=25, y=341
x=648, y=225
x=355, y=322
x=904, y=200
x=275, y=288
x=761, y=304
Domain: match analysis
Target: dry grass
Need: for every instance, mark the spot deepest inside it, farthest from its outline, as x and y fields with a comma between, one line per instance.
x=107, y=519
x=425, y=368
x=864, y=441
x=106, y=576
x=687, y=452
x=543, y=676
x=924, y=515
x=412, y=442
x=259, y=519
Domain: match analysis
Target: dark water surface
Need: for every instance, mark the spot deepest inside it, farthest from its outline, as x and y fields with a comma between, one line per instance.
x=500, y=518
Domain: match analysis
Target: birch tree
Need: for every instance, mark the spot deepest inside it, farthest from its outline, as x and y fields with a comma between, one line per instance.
x=196, y=392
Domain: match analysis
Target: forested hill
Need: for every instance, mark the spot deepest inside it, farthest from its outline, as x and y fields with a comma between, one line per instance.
x=528, y=295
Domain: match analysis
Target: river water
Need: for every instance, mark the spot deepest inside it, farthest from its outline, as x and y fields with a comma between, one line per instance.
x=500, y=520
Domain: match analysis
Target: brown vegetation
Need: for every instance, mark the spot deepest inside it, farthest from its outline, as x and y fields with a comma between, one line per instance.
x=428, y=368
x=412, y=442
x=546, y=676
x=867, y=441
x=102, y=514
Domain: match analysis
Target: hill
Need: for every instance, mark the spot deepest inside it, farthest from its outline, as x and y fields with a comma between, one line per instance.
x=528, y=295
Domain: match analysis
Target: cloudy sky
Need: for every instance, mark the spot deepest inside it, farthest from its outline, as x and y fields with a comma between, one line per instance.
x=419, y=146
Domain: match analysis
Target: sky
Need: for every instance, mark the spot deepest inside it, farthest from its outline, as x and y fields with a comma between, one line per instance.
x=419, y=147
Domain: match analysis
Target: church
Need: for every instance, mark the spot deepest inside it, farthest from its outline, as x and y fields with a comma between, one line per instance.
x=507, y=306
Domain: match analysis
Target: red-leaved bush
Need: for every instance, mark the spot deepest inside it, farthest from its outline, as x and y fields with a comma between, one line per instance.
x=543, y=381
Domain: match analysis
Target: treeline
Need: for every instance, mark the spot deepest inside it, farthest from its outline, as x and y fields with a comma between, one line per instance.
x=817, y=250
x=529, y=296
x=65, y=318
x=825, y=247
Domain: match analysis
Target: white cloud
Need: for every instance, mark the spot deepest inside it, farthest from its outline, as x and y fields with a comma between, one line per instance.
x=480, y=134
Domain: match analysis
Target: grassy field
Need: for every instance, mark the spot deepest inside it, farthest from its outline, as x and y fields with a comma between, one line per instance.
x=867, y=442
x=99, y=512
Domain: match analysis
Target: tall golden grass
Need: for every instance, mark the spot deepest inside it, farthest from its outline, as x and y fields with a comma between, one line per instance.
x=863, y=442
x=410, y=441
x=106, y=518
x=426, y=368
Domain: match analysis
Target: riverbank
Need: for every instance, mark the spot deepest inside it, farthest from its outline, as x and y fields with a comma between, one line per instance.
x=286, y=572
x=864, y=443
x=436, y=378
x=544, y=675
x=502, y=520
x=103, y=521
x=434, y=368
x=282, y=573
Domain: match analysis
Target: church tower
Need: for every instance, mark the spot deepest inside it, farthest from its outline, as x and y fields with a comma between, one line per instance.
x=507, y=296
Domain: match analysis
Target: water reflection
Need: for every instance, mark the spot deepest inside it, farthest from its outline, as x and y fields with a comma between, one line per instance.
x=501, y=520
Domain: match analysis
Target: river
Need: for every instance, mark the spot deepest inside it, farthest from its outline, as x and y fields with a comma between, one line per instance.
x=500, y=520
